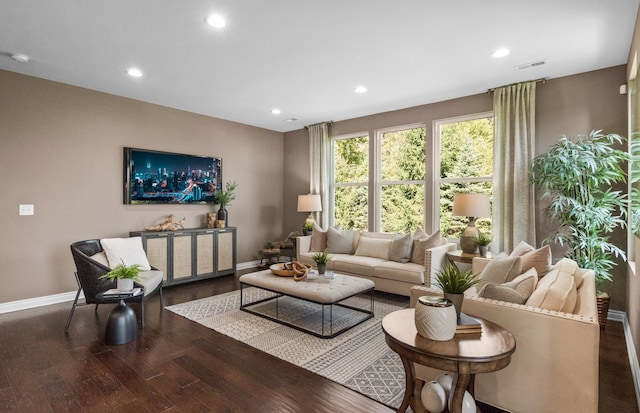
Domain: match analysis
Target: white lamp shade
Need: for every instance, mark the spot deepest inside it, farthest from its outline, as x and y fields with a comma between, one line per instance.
x=471, y=205
x=309, y=203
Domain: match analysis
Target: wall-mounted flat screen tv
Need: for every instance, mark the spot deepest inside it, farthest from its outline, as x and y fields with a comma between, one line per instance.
x=154, y=177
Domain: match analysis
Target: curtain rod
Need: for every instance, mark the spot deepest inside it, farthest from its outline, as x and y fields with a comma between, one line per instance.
x=329, y=122
x=541, y=80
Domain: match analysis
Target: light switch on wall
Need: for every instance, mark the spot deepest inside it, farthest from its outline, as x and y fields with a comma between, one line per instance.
x=26, y=209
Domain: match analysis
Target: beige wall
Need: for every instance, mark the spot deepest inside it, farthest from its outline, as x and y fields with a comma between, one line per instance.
x=568, y=105
x=61, y=150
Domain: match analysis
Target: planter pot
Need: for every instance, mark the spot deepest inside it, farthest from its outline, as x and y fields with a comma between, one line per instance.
x=435, y=318
x=483, y=250
x=124, y=283
x=603, y=309
x=322, y=268
x=457, y=300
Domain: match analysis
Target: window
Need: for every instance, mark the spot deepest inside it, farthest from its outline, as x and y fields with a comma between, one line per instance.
x=402, y=173
x=350, y=182
x=465, y=150
x=394, y=176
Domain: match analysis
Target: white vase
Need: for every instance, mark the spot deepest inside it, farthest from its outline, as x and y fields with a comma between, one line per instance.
x=446, y=381
x=433, y=397
x=124, y=284
x=468, y=403
x=435, y=318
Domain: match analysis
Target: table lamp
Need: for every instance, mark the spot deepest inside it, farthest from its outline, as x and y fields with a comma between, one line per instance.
x=309, y=203
x=471, y=206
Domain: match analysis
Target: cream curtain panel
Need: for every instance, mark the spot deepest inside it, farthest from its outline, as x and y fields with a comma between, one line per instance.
x=319, y=151
x=513, y=218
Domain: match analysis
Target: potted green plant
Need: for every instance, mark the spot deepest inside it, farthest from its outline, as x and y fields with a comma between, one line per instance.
x=577, y=177
x=482, y=240
x=321, y=259
x=454, y=283
x=307, y=228
x=124, y=275
x=224, y=197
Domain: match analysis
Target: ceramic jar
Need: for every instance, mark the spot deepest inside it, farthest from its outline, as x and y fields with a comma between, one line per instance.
x=435, y=318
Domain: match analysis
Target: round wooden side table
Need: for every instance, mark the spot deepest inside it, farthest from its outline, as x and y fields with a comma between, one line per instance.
x=465, y=354
x=463, y=257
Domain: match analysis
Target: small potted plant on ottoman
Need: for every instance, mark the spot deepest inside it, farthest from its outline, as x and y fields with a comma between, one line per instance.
x=321, y=259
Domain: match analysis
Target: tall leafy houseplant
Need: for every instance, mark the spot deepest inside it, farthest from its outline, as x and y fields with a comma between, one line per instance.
x=576, y=176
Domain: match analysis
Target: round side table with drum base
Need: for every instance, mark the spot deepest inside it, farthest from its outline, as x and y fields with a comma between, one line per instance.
x=465, y=354
x=122, y=324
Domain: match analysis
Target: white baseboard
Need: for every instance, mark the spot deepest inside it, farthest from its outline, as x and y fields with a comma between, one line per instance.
x=631, y=351
x=28, y=303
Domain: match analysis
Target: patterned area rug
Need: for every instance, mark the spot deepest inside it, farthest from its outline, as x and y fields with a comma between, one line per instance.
x=359, y=358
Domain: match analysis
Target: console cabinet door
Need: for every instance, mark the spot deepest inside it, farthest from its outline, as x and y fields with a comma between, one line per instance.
x=182, y=256
x=225, y=251
x=158, y=249
x=205, y=246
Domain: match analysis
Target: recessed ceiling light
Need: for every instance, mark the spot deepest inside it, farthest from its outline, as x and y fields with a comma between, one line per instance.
x=134, y=72
x=20, y=58
x=216, y=20
x=275, y=111
x=360, y=89
x=500, y=52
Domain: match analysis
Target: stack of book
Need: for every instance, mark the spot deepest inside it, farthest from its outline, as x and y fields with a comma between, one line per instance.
x=117, y=293
x=468, y=324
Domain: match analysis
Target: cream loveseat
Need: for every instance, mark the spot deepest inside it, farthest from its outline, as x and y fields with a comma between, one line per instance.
x=376, y=256
x=555, y=365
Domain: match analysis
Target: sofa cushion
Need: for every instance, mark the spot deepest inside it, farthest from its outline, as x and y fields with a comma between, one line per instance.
x=421, y=244
x=319, y=238
x=405, y=272
x=500, y=270
x=374, y=247
x=540, y=258
x=400, y=250
x=339, y=242
x=127, y=251
x=515, y=291
x=556, y=291
x=356, y=264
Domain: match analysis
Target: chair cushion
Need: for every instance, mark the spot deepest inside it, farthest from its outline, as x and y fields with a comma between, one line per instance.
x=540, y=258
x=556, y=291
x=127, y=251
x=100, y=258
x=516, y=291
x=400, y=250
x=150, y=280
x=500, y=270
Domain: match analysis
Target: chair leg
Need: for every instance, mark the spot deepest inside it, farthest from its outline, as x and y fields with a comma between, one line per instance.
x=161, y=303
x=73, y=309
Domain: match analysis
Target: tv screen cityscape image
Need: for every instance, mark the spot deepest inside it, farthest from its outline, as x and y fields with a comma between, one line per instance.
x=170, y=178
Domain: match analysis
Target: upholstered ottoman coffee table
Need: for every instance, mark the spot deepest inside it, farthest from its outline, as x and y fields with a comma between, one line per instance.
x=322, y=307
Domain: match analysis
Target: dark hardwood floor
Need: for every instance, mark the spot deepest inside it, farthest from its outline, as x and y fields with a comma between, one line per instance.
x=176, y=365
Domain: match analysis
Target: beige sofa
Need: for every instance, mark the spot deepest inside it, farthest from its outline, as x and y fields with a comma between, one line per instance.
x=555, y=365
x=389, y=276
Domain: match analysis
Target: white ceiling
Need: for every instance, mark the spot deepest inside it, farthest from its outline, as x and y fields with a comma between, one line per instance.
x=307, y=57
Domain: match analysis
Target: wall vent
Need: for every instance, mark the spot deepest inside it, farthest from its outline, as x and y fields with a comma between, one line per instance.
x=530, y=65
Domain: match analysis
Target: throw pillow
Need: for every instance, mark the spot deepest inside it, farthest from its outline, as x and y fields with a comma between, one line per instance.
x=500, y=270
x=556, y=291
x=422, y=244
x=540, y=258
x=318, y=238
x=339, y=242
x=571, y=267
x=101, y=258
x=516, y=291
x=125, y=250
x=374, y=247
x=400, y=250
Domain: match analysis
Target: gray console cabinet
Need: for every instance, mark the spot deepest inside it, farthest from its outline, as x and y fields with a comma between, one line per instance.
x=190, y=254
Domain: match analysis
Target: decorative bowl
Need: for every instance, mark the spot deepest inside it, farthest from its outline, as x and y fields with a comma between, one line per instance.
x=284, y=269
